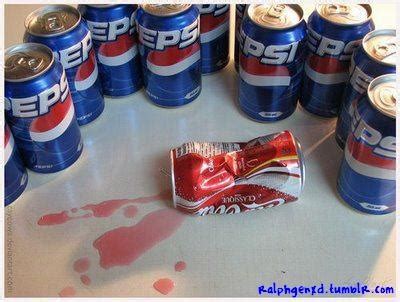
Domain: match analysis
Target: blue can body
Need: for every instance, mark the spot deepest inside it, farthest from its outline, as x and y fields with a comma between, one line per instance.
x=330, y=47
x=363, y=70
x=115, y=41
x=15, y=176
x=239, y=14
x=74, y=49
x=269, y=84
x=171, y=69
x=367, y=176
x=48, y=137
x=214, y=36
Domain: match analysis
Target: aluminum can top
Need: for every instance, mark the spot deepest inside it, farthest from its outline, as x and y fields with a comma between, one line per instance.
x=380, y=45
x=382, y=94
x=165, y=10
x=23, y=62
x=345, y=14
x=275, y=16
x=52, y=20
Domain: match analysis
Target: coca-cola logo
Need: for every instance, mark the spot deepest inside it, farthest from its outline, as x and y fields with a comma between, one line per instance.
x=222, y=209
x=239, y=198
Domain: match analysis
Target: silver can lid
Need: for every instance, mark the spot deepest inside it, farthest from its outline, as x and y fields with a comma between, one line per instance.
x=23, y=62
x=345, y=14
x=52, y=20
x=380, y=44
x=383, y=95
x=165, y=9
x=275, y=16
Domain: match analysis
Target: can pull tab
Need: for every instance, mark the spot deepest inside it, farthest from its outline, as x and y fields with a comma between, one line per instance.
x=338, y=9
x=385, y=49
x=53, y=22
x=25, y=61
x=276, y=11
x=388, y=97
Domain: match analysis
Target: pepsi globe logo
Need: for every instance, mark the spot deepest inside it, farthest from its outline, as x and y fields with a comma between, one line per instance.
x=171, y=51
x=214, y=21
x=119, y=43
x=51, y=111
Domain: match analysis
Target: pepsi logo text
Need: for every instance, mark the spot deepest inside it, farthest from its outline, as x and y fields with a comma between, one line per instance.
x=359, y=80
x=109, y=31
x=39, y=104
x=159, y=40
x=271, y=54
x=322, y=46
x=215, y=9
x=384, y=146
x=76, y=54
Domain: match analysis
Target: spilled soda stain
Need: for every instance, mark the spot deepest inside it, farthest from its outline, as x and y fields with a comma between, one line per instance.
x=102, y=209
x=164, y=286
x=82, y=265
x=180, y=266
x=122, y=246
x=68, y=291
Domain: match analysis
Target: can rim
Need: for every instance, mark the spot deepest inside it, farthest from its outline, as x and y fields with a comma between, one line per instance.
x=367, y=7
x=375, y=33
x=143, y=6
x=295, y=7
x=52, y=7
x=378, y=80
x=36, y=45
x=173, y=177
x=302, y=161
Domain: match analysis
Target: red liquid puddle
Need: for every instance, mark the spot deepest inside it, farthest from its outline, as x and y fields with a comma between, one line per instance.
x=123, y=245
x=164, y=286
x=103, y=209
x=86, y=280
x=68, y=291
x=180, y=266
x=130, y=211
x=82, y=265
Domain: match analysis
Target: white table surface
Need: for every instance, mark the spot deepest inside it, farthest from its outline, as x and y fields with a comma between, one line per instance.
x=316, y=239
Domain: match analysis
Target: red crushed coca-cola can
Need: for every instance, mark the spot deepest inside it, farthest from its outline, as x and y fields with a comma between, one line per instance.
x=228, y=178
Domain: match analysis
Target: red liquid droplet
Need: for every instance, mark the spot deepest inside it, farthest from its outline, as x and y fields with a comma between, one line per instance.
x=180, y=266
x=82, y=265
x=130, y=211
x=164, y=286
x=123, y=245
x=86, y=280
x=68, y=291
x=56, y=218
x=103, y=209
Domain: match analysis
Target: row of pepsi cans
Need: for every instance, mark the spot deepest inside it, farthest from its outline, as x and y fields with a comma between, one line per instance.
x=282, y=59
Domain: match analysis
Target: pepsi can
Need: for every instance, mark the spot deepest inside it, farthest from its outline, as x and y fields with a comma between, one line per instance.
x=239, y=14
x=61, y=28
x=214, y=36
x=376, y=56
x=39, y=108
x=367, y=177
x=15, y=176
x=334, y=31
x=114, y=38
x=169, y=46
x=273, y=48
